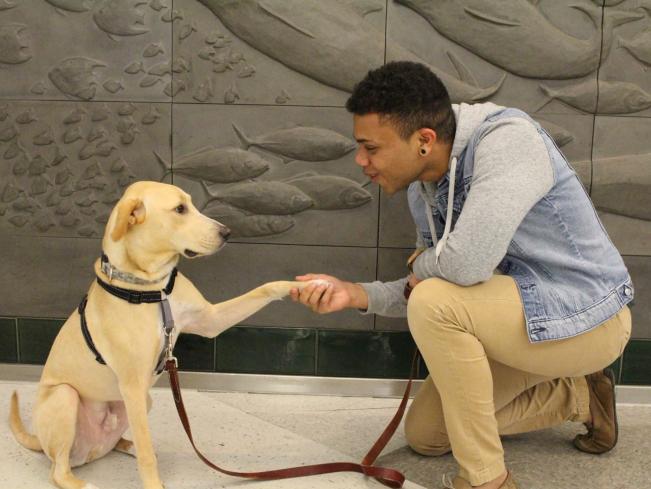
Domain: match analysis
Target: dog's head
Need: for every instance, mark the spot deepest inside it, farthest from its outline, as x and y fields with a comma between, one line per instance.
x=155, y=222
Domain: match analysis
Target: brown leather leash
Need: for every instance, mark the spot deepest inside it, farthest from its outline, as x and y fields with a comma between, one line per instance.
x=388, y=477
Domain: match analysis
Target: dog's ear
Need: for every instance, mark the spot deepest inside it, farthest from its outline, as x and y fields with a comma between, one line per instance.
x=131, y=211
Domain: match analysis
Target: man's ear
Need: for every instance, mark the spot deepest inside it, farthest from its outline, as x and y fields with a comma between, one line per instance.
x=130, y=212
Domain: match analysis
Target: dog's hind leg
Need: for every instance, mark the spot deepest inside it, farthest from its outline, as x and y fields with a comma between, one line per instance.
x=56, y=422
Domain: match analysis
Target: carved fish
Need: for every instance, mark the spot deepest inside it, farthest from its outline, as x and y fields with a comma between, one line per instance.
x=72, y=5
x=44, y=138
x=622, y=185
x=516, y=36
x=74, y=116
x=614, y=97
x=160, y=69
x=5, y=5
x=113, y=86
x=187, y=30
x=75, y=77
x=639, y=46
x=153, y=49
x=334, y=46
x=38, y=88
x=172, y=14
x=37, y=166
x=63, y=176
x=21, y=165
x=120, y=17
x=39, y=185
x=13, y=49
x=26, y=117
x=301, y=143
x=8, y=132
x=152, y=116
x=58, y=156
x=96, y=132
x=71, y=135
x=13, y=150
x=18, y=221
x=53, y=198
x=43, y=221
x=134, y=68
x=330, y=192
x=272, y=198
x=218, y=165
x=10, y=192
x=157, y=5
x=559, y=134
x=204, y=91
x=231, y=95
x=174, y=87
x=127, y=109
x=245, y=225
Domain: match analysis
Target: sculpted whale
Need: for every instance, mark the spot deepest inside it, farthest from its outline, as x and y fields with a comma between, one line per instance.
x=516, y=36
x=328, y=42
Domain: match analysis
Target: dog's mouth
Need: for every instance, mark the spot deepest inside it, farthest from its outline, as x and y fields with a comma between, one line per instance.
x=190, y=254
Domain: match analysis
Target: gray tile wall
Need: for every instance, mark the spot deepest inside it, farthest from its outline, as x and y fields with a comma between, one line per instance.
x=91, y=101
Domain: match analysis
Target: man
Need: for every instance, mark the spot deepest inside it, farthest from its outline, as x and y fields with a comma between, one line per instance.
x=518, y=297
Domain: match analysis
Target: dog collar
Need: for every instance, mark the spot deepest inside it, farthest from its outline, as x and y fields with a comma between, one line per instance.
x=112, y=272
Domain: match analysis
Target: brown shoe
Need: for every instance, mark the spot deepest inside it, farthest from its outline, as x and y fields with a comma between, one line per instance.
x=459, y=483
x=602, y=431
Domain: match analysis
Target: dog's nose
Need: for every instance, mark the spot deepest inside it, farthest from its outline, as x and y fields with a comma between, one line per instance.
x=224, y=232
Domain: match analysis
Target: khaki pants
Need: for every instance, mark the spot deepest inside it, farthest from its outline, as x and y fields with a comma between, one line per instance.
x=487, y=379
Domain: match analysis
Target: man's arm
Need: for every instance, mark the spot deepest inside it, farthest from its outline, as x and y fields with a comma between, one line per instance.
x=512, y=173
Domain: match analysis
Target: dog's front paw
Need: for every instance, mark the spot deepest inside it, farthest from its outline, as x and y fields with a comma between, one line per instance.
x=279, y=290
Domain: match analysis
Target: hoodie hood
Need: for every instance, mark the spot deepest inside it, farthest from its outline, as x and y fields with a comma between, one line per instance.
x=469, y=117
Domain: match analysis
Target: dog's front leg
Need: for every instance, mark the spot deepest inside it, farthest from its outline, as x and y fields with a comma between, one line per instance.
x=134, y=394
x=211, y=319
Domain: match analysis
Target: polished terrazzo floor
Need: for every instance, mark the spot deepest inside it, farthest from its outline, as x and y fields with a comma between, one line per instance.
x=260, y=431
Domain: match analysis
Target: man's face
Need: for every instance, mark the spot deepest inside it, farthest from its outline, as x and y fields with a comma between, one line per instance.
x=390, y=161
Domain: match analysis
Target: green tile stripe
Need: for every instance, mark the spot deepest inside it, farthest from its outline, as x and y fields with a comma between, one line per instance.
x=287, y=351
x=8, y=340
x=636, y=368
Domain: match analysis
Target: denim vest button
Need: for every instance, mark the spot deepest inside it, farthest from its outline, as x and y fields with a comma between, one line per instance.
x=627, y=291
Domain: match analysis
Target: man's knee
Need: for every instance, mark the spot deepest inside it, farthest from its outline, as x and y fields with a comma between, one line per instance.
x=430, y=300
x=425, y=440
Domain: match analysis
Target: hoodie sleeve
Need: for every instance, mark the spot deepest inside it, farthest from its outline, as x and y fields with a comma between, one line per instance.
x=512, y=172
x=387, y=298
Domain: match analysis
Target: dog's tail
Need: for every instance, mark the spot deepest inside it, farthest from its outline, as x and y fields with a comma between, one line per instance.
x=18, y=429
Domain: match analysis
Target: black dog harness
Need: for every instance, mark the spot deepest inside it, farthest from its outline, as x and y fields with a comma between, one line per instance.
x=136, y=297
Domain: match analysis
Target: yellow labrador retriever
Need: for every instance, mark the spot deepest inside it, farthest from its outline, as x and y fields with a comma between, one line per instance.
x=84, y=406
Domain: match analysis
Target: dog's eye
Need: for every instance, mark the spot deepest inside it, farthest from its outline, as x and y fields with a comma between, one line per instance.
x=180, y=209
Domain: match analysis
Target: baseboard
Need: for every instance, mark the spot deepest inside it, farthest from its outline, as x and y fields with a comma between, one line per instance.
x=295, y=384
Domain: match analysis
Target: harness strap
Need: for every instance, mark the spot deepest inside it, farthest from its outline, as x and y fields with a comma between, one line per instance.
x=136, y=297
x=86, y=333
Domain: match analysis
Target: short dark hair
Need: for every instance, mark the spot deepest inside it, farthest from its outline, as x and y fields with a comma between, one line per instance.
x=409, y=95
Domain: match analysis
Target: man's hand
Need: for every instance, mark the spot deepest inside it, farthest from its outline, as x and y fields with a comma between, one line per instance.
x=333, y=296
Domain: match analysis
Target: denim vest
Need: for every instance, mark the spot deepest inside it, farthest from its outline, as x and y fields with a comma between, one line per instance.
x=570, y=276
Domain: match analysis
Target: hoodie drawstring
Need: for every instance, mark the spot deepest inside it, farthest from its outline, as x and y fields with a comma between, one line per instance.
x=448, y=217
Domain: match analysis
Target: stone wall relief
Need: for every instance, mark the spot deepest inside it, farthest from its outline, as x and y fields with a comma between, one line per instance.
x=94, y=39
x=63, y=165
x=255, y=207
x=278, y=52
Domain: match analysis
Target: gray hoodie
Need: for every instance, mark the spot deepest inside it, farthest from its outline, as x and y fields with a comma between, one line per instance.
x=511, y=161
